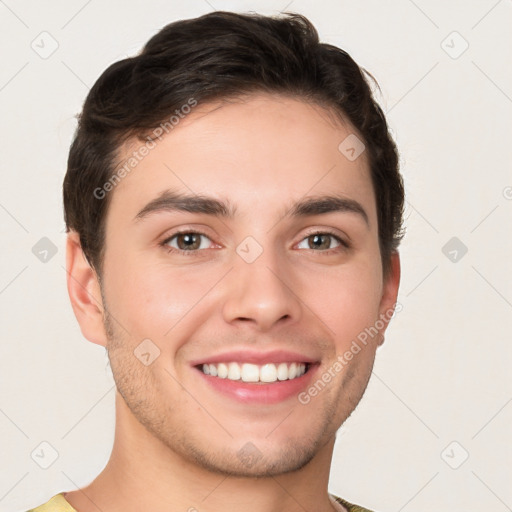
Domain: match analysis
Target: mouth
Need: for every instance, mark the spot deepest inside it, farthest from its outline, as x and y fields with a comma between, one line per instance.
x=253, y=373
x=257, y=378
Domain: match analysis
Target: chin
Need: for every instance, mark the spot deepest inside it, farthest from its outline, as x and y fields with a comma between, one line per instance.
x=251, y=462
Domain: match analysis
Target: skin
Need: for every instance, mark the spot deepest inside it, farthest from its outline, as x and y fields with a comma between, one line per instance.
x=176, y=439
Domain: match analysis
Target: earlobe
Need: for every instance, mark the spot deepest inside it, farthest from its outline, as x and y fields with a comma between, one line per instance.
x=389, y=296
x=84, y=291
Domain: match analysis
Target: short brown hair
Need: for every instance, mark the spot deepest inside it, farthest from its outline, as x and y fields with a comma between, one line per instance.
x=216, y=56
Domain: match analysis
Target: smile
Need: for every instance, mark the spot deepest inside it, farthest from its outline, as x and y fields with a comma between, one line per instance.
x=248, y=372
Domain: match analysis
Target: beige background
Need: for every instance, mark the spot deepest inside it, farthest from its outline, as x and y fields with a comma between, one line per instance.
x=441, y=388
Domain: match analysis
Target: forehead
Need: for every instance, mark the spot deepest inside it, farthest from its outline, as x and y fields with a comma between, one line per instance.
x=262, y=151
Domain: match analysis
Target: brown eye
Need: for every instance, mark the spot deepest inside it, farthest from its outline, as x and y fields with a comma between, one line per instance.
x=322, y=242
x=187, y=241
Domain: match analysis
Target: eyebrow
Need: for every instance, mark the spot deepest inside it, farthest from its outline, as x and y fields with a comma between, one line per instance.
x=178, y=202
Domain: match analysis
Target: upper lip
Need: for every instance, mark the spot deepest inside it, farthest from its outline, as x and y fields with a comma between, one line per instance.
x=256, y=357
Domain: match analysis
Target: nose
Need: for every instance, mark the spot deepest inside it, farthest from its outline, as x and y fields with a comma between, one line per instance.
x=261, y=293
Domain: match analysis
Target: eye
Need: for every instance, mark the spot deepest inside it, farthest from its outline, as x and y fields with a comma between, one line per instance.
x=323, y=240
x=186, y=241
x=192, y=242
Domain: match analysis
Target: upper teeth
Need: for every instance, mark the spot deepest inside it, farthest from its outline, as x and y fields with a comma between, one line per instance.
x=253, y=373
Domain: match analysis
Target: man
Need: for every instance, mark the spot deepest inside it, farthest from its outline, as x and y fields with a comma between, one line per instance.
x=234, y=208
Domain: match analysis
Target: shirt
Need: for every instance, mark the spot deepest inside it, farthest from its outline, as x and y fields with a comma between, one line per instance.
x=59, y=504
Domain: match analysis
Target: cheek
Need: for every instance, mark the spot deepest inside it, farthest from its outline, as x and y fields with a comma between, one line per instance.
x=153, y=299
x=348, y=302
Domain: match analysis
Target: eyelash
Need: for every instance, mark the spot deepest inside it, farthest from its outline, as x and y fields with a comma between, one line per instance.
x=196, y=252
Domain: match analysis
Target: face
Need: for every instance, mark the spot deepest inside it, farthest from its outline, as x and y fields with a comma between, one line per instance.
x=245, y=243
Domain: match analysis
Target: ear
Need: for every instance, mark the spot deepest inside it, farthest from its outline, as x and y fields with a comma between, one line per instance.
x=388, y=303
x=84, y=292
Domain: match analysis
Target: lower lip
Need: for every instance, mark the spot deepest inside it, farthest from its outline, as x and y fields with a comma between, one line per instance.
x=260, y=393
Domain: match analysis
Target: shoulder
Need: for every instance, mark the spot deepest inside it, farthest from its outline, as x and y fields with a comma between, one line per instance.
x=350, y=506
x=56, y=504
